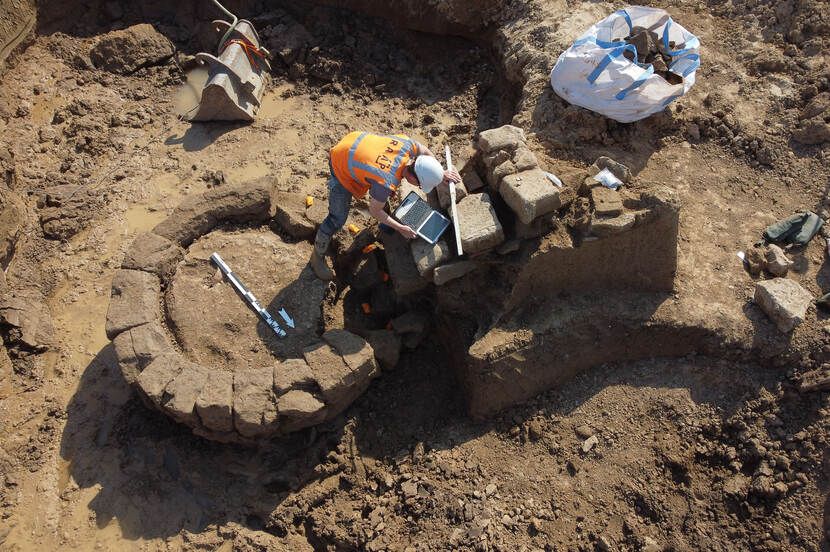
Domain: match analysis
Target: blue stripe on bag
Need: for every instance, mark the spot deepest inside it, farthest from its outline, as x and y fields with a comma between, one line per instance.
x=627, y=19
x=694, y=58
x=690, y=45
x=637, y=83
x=611, y=56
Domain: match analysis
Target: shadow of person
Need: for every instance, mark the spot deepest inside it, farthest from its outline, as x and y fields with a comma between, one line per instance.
x=198, y=136
x=156, y=478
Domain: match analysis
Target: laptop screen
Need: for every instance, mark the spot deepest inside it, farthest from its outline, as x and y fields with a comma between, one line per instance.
x=434, y=227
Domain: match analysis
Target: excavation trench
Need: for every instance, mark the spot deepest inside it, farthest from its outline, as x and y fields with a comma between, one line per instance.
x=541, y=301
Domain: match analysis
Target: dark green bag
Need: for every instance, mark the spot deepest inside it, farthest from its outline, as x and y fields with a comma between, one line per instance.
x=798, y=229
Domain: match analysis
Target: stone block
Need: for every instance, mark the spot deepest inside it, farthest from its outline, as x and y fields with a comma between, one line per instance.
x=154, y=379
x=386, y=346
x=356, y=352
x=524, y=159
x=607, y=202
x=497, y=175
x=472, y=181
x=292, y=216
x=452, y=271
x=605, y=226
x=134, y=301
x=183, y=390
x=337, y=381
x=137, y=347
x=617, y=169
x=507, y=137
x=480, y=227
x=199, y=214
x=152, y=253
x=293, y=373
x=777, y=262
x=428, y=256
x=496, y=158
x=300, y=409
x=530, y=194
x=215, y=402
x=402, y=269
x=254, y=406
x=443, y=193
x=784, y=301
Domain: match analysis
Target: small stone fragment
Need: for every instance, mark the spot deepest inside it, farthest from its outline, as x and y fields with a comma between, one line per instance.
x=448, y=272
x=777, y=262
x=607, y=202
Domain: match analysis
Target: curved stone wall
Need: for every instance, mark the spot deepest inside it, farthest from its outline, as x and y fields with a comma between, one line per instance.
x=242, y=404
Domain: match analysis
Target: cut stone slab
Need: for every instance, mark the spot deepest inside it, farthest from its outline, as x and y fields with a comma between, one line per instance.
x=337, y=381
x=134, y=301
x=299, y=409
x=215, y=402
x=472, y=181
x=617, y=169
x=607, y=202
x=183, y=390
x=137, y=347
x=402, y=269
x=452, y=271
x=254, y=407
x=507, y=137
x=480, y=227
x=291, y=374
x=530, y=194
x=443, y=193
x=199, y=214
x=784, y=301
x=293, y=217
x=386, y=346
x=356, y=352
x=428, y=256
x=152, y=253
x=537, y=227
x=154, y=379
x=603, y=226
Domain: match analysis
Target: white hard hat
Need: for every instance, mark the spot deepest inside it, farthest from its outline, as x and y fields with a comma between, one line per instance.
x=429, y=171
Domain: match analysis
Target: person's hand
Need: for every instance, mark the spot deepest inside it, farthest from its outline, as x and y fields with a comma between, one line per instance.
x=452, y=176
x=407, y=232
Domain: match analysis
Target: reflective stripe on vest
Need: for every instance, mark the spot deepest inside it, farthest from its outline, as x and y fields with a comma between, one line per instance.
x=387, y=177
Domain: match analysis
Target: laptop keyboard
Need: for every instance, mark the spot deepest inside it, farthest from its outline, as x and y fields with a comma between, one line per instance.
x=416, y=214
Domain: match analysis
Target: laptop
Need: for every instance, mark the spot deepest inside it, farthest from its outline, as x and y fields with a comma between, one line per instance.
x=418, y=215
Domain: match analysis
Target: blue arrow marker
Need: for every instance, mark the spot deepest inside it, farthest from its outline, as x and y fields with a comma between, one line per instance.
x=288, y=320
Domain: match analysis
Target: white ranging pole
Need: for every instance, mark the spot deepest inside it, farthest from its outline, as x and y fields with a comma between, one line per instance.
x=454, y=211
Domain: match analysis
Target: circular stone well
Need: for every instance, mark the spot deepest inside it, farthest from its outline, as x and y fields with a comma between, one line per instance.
x=193, y=347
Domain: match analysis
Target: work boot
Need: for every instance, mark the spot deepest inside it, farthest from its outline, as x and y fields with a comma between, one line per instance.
x=318, y=257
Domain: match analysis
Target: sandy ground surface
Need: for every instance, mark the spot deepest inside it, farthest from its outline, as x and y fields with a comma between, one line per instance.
x=690, y=454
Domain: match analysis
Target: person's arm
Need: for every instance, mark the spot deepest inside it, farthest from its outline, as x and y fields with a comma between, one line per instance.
x=449, y=176
x=376, y=210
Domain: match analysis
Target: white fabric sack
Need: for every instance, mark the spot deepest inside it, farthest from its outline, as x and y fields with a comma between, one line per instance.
x=594, y=74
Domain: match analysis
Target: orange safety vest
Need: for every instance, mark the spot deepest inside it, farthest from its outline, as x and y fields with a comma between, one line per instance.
x=361, y=159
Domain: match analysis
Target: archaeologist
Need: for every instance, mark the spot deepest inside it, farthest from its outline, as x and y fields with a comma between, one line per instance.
x=362, y=162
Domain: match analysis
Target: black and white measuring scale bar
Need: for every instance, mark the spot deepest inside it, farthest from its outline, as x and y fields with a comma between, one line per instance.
x=251, y=299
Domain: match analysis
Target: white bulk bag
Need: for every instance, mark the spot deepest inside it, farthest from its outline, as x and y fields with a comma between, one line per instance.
x=594, y=74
